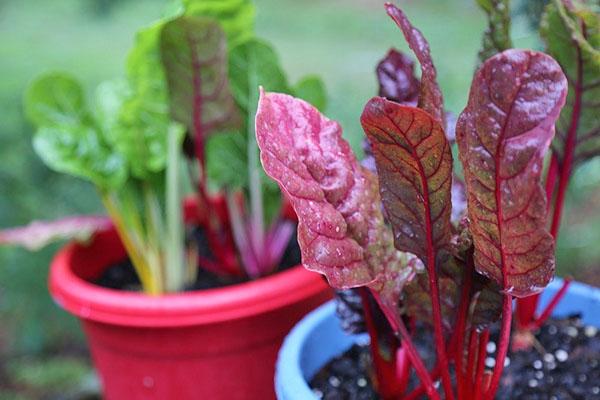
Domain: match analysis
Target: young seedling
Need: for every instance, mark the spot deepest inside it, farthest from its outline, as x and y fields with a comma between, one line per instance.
x=391, y=232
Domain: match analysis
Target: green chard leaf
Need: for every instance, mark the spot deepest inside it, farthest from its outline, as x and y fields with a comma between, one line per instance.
x=140, y=131
x=572, y=36
x=253, y=64
x=496, y=37
x=236, y=17
x=68, y=139
x=312, y=89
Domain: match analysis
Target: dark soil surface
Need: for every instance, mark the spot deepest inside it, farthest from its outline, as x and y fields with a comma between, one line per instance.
x=563, y=365
x=122, y=276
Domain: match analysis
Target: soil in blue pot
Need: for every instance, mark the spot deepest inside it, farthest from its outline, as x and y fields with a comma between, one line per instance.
x=564, y=364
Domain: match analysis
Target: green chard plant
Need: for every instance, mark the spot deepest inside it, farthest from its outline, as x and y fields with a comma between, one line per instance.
x=188, y=98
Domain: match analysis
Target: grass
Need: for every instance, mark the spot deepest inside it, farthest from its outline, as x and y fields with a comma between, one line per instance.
x=341, y=40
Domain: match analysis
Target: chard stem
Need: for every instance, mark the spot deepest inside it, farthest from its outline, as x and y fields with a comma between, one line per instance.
x=174, y=243
x=503, y=344
x=398, y=326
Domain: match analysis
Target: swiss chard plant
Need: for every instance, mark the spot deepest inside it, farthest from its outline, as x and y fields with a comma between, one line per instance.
x=571, y=33
x=190, y=89
x=391, y=233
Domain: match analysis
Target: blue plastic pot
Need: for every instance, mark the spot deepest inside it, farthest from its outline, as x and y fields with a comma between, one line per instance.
x=318, y=338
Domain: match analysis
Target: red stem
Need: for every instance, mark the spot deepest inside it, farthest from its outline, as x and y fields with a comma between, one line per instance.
x=398, y=326
x=472, y=359
x=539, y=321
x=421, y=390
x=484, y=337
x=503, y=344
x=389, y=383
x=460, y=332
x=553, y=172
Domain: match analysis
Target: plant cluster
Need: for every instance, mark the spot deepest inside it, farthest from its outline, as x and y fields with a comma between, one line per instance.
x=396, y=229
x=189, y=94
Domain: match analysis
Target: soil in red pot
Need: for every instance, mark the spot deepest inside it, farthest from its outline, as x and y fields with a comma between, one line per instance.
x=563, y=365
x=122, y=276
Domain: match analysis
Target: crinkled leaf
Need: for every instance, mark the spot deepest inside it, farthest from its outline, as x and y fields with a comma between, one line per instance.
x=67, y=138
x=194, y=54
x=396, y=78
x=236, y=17
x=572, y=36
x=502, y=135
x=496, y=37
x=41, y=233
x=430, y=95
x=414, y=165
x=312, y=90
x=140, y=133
x=341, y=230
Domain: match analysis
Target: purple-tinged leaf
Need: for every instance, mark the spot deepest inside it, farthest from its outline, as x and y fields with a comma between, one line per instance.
x=397, y=80
x=414, y=165
x=503, y=134
x=41, y=233
x=194, y=55
x=430, y=95
x=341, y=231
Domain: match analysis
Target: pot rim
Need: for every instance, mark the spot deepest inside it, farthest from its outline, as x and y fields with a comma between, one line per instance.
x=291, y=380
x=210, y=306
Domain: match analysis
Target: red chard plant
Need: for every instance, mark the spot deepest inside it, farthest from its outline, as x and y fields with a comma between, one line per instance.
x=390, y=232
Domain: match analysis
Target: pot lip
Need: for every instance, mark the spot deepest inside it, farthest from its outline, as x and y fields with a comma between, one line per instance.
x=290, y=380
x=289, y=376
x=210, y=306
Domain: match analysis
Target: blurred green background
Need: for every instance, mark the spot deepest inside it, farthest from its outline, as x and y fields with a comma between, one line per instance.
x=341, y=40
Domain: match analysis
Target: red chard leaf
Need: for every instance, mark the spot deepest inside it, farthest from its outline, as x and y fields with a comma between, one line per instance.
x=39, y=234
x=397, y=80
x=430, y=95
x=341, y=231
x=414, y=165
x=194, y=55
x=503, y=134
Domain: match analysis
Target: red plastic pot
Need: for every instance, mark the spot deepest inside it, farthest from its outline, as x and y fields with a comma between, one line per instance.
x=212, y=344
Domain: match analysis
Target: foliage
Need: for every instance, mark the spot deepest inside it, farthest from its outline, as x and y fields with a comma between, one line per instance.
x=571, y=32
x=502, y=134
